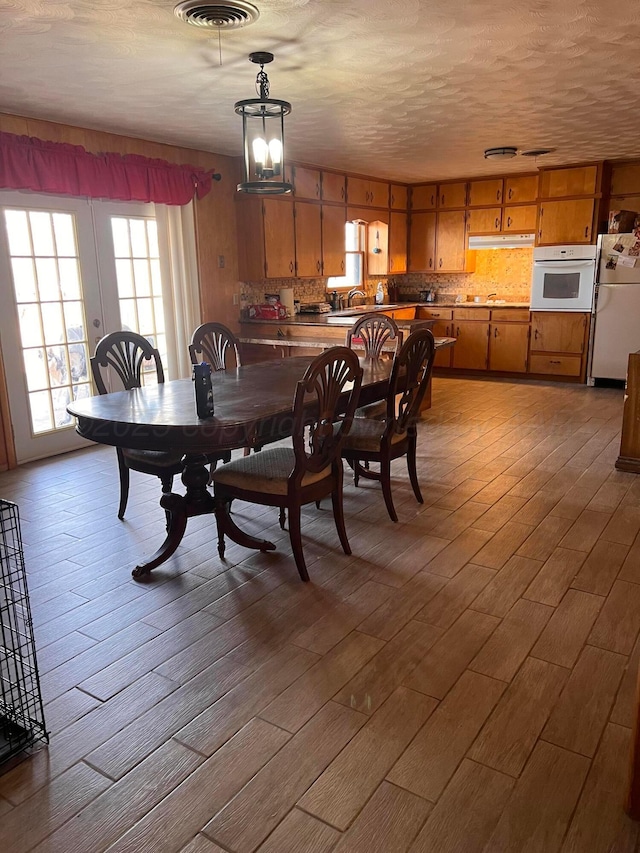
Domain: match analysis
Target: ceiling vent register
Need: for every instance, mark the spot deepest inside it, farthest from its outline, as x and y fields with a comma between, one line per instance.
x=218, y=16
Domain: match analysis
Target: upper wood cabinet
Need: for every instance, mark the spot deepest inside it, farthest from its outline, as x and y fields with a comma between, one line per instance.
x=362, y=191
x=306, y=182
x=566, y=221
x=334, y=187
x=333, y=239
x=520, y=188
x=451, y=240
x=378, y=247
x=520, y=217
x=452, y=195
x=398, y=197
x=308, y=239
x=563, y=183
x=625, y=179
x=484, y=220
x=424, y=197
x=485, y=193
x=279, y=238
x=398, y=242
x=422, y=245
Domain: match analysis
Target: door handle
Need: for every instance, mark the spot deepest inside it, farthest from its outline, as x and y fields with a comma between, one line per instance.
x=509, y=221
x=497, y=223
x=458, y=332
x=290, y=266
x=535, y=334
x=442, y=199
x=318, y=265
x=440, y=263
x=495, y=332
x=510, y=193
x=433, y=201
x=497, y=195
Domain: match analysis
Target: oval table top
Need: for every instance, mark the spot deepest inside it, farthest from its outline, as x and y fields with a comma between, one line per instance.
x=161, y=417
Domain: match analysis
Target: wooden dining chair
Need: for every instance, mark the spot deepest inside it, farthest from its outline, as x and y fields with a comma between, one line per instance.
x=311, y=468
x=128, y=355
x=382, y=441
x=215, y=344
x=379, y=336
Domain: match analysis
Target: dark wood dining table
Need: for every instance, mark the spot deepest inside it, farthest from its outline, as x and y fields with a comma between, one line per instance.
x=252, y=405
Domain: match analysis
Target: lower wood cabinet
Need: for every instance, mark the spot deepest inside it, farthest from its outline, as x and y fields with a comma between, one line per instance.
x=509, y=347
x=558, y=345
x=472, y=344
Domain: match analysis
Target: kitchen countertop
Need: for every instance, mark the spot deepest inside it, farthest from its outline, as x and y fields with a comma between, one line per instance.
x=452, y=304
x=344, y=318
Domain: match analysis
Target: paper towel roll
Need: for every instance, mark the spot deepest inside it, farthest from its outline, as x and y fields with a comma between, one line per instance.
x=286, y=298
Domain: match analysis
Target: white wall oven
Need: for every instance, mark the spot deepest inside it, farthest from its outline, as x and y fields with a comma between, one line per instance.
x=563, y=278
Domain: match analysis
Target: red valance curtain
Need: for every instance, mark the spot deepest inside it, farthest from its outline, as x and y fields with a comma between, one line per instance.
x=27, y=163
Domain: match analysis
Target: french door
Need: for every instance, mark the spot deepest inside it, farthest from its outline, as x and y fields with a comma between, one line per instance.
x=72, y=271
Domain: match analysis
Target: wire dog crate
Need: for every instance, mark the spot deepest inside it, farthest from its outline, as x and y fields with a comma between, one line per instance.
x=21, y=711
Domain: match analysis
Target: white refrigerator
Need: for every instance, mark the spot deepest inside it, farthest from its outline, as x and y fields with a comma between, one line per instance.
x=616, y=320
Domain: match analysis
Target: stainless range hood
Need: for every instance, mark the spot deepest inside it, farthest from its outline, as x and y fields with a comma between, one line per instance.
x=501, y=241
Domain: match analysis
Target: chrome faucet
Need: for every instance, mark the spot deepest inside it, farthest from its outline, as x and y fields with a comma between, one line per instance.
x=355, y=292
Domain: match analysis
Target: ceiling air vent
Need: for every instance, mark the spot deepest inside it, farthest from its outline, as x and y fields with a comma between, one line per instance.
x=537, y=152
x=219, y=16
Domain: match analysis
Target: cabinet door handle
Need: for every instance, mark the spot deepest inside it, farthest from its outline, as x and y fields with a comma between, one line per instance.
x=552, y=361
x=497, y=223
x=497, y=195
x=291, y=266
x=509, y=221
x=495, y=332
x=535, y=334
x=433, y=201
x=442, y=199
x=318, y=265
x=430, y=262
x=390, y=263
x=586, y=231
x=440, y=263
x=393, y=199
x=342, y=192
x=458, y=332
x=510, y=193
x=342, y=265
x=317, y=190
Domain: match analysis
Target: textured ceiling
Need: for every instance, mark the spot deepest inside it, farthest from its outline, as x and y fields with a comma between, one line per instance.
x=410, y=89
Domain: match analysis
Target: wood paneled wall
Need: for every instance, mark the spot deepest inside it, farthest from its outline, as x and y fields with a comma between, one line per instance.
x=215, y=224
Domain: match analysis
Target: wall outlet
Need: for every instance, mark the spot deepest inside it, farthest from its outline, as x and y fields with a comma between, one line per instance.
x=236, y=298
x=221, y=262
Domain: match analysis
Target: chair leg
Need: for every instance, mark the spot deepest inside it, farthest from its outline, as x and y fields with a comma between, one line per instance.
x=295, y=536
x=385, y=476
x=282, y=517
x=124, y=485
x=338, y=516
x=413, y=472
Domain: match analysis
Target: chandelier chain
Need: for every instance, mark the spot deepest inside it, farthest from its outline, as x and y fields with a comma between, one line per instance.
x=262, y=84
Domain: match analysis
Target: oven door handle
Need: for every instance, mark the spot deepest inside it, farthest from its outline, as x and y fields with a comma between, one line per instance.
x=563, y=263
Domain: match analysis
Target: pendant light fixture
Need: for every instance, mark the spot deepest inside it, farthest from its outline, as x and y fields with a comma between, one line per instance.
x=505, y=152
x=263, y=136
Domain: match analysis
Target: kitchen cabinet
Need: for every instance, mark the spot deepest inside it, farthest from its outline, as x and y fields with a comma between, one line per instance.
x=485, y=193
x=472, y=344
x=306, y=182
x=452, y=195
x=334, y=218
x=442, y=328
x=508, y=346
x=308, y=239
x=573, y=181
x=377, y=248
x=279, y=238
x=334, y=187
x=451, y=240
x=568, y=221
x=398, y=242
x=484, y=220
x=422, y=246
x=558, y=344
x=521, y=218
x=362, y=191
x=520, y=189
x=398, y=197
x=558, y=331
x=424, y=197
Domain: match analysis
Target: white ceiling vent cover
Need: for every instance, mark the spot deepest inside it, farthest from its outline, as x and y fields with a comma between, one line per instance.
x=223, y=15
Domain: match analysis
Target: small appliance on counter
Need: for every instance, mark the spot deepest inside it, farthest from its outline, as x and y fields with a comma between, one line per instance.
x=615, y=330
x=315, y=308
x=563, y=278
x=267, y=311
x=428, y=295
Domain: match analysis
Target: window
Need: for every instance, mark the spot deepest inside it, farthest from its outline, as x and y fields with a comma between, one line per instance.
x=355, y=241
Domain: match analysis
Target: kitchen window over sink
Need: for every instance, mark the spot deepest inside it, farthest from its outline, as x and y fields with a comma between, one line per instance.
x=355, y=244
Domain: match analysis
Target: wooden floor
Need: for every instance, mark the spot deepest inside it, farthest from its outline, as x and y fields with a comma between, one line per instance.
x=464, y=682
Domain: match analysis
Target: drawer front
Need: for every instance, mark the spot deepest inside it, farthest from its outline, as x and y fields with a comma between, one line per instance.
x=434, y=313
x=556, y=365
x=471, y=314
x=510, y=315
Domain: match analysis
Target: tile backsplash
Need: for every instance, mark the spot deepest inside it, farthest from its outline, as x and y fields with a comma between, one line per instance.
x=505, y=272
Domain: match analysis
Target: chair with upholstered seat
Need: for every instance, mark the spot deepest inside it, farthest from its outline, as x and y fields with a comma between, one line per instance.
x=382, y=441
x=129, y=356
x=215, y=344
x=379, y=336
x=290, y=477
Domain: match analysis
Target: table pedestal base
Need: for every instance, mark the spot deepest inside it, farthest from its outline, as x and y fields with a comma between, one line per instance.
x=197, y=501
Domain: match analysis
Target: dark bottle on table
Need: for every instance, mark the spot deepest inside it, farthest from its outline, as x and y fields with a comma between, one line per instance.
x=204, y=389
